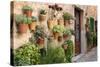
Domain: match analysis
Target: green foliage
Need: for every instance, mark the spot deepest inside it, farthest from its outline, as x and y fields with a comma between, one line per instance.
x=28, y=54
x=67, y=16
x=42, y=11
x=22, y=19
x=94, y=38
x=69, y=51
x=58, y=29
x=26, y=7
x=67, y=32
x=90, y=38
x=54, y=55
x=72, y=31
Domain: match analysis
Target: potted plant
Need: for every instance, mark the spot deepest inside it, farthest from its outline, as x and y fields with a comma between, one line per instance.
x=27, y=10
x=67, y=16
x=22, y=23
x=42, y=15
x=39, y=35
x=66, y=34
x=57, y=30
x=32, y=25
x=50, y=23
x=61, y=21
x=60, y=38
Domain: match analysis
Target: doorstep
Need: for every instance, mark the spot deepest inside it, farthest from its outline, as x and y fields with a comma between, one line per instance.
x=75, y=58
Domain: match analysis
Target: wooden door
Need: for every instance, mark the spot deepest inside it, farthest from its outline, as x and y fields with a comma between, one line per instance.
x=77, y=32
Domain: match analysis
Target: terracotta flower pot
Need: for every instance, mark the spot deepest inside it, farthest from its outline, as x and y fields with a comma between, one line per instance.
x=50, y=24
x=66, y=22
x=22, y=28
x=32, y=26
x=55, y=34
x=61, y=22
x=65, y=36
x=42, y=17
x=60, y=38
x=65, y=47
x=28, y=13
x=40, y=41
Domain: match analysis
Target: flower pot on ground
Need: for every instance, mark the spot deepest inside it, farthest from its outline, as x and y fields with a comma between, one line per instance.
x=22, y=23
x=57, y=30
x=42, y=15
x=27, y=10
x=33, y=24
x=67, y=17
x=66, y=34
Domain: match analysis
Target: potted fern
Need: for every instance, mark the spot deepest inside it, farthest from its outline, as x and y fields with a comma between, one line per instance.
x=67, y=17
x=22, y=23
x=27, y=10
x=32, y=25
x=42, y=15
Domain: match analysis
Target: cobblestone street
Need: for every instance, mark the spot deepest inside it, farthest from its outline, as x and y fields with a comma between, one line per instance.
x=90, y=56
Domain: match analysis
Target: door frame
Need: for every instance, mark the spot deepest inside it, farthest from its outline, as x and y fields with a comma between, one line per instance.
x=80, y=28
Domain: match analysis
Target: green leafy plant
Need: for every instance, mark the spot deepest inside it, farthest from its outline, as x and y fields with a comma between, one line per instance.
x=67, y=32
x=23, y=19
x=42, y=11
x=58, y=29
x=69, y=51
x=54, y=55
x=26, y=7
x=94, y=38
x=90, y=38
x=67, y=16
x=28, y=54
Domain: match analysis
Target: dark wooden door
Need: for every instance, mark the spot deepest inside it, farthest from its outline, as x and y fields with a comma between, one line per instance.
x=77, y=32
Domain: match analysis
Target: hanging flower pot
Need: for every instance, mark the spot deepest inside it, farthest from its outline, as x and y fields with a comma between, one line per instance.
x=64, y=46
x=60, y=38
x=22, y=23
x=66, y=34
x=42, y=15
x=55, y=34
x=32, y=25
x=27, y=10
x=61, y=22
x=22, y=28
x=50, y=23
x=67, y=17
x=40, y=41
x=57, y=31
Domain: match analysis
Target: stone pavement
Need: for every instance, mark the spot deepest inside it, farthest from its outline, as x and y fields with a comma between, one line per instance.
x=90, y=56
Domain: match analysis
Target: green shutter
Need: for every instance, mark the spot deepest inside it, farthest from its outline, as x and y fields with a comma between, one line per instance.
x=91, y=24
